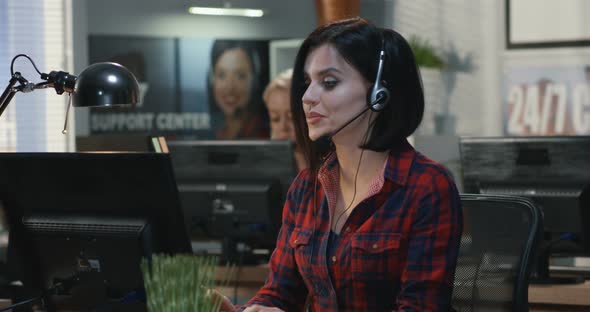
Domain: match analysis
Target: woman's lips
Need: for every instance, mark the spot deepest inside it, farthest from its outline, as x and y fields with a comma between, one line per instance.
x=313, y=117
x=230, y=100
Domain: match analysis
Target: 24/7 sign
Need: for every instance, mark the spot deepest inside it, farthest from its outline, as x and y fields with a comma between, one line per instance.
x=547, y=101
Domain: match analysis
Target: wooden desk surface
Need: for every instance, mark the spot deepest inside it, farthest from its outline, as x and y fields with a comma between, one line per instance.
x=542, y=298
x=244, y=275
x=561, y=294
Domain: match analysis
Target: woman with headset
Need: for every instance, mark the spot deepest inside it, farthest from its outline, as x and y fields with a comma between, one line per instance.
x=372, y=224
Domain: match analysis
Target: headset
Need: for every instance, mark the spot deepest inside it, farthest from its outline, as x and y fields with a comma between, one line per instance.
x=379, y=96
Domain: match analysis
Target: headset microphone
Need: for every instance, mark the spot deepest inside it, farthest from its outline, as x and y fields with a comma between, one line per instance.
x=325, y=139
x=350, y=121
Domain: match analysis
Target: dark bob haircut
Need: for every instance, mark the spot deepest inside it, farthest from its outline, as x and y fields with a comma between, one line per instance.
x=359, y=43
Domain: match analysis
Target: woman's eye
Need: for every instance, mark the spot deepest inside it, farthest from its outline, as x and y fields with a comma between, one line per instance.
x=242, y=75
x=274, y=117
x=329, y=83
x=220, y=75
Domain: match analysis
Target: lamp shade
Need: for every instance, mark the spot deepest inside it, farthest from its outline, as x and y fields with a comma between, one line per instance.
x=105, y=84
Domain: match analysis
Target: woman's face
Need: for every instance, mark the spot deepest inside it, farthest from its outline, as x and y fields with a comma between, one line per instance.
x=336, y=93
x=232, y=79
x=279, y=111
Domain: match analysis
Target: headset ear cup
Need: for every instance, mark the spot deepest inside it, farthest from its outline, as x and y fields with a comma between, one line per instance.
x=378, y=99
x=370, y=97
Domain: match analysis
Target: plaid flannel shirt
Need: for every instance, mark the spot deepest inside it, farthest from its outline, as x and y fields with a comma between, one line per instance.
x=397, y=251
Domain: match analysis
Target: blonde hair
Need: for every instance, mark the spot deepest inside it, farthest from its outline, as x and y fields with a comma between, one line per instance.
x=281, y=82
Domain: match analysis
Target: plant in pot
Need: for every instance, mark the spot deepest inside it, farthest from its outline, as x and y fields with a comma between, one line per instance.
x=425, y=54
x=439, y=74
x=182, y=283
x=432, y=65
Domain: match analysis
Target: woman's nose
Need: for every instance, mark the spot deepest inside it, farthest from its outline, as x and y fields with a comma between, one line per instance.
x=285, y=124
x=310, y=97
x=231, y=84
x=227, y=82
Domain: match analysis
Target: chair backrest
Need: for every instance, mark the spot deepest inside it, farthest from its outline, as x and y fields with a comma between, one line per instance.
x=498, y=245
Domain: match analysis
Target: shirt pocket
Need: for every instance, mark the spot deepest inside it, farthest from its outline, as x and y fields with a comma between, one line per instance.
x=376, y=256
x=300, y=243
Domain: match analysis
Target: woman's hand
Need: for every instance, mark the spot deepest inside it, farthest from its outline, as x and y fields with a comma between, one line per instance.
x=226, y=305
x=259, y=308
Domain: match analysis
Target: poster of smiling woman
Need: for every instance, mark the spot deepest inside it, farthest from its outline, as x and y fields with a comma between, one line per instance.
x=199, y=88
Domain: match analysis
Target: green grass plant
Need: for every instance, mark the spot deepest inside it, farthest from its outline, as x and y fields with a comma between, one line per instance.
x=181, y=283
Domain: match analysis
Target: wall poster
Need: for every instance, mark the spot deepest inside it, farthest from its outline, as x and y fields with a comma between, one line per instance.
x=192, y=87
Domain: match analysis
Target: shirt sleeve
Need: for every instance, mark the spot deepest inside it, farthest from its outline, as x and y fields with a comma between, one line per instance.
x=284, y=287
x=433, y=246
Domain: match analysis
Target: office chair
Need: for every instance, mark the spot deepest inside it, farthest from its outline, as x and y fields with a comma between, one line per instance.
x=499, y=241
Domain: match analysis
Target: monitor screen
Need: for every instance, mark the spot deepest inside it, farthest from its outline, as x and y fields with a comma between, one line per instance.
x=90, y=214
x=233, y=190
x=114, y=142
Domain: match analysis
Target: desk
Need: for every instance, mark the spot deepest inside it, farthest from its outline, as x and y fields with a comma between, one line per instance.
x=542, y=298
x=550, y=298
x=249, y=280
x=4, y=303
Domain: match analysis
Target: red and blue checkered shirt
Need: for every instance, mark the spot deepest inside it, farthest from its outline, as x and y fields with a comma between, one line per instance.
x=397, y=250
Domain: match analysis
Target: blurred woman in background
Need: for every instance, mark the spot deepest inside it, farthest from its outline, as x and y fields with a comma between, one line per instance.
x=277, y=99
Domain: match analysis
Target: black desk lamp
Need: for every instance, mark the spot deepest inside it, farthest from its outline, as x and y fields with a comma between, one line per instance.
x=100, y=84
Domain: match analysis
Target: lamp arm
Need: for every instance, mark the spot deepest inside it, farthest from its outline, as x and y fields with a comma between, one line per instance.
x=8, y=93
x=24, y=84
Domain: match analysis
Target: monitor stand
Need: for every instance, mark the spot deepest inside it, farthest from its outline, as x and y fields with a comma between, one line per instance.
x=232, y=254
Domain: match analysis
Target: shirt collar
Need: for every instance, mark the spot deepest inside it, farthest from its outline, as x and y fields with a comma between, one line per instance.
x=397, y=168
x=399, y=163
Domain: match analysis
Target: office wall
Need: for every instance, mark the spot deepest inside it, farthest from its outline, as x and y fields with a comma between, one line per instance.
x=469, y=35
x=285, y=19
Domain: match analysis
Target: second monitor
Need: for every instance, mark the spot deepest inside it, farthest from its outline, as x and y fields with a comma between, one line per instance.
x=553, y=171
x=233, y=191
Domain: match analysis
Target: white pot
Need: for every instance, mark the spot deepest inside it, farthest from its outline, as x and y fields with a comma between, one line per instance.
x=434, y=95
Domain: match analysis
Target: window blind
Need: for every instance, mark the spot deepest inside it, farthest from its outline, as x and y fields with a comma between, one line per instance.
x=33, y=121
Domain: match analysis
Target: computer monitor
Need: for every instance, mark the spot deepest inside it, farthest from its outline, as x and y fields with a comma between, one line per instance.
x=553, y=171
x=233, y=191
x=95, y=215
